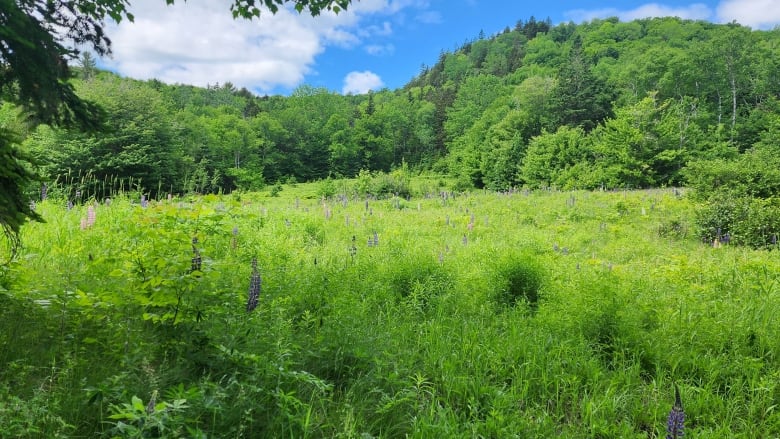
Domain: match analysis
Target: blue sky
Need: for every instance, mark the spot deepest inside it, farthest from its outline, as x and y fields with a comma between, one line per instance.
x=375, y=44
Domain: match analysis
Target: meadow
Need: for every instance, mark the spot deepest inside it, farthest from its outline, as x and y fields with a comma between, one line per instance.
x=497, y=315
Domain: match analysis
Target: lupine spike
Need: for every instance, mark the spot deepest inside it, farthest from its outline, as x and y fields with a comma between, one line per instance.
x=255, y=284
x=675, y=424
x=196, y=259
x=152, y=403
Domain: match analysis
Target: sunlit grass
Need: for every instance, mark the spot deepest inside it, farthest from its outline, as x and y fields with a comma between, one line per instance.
x=530, y=314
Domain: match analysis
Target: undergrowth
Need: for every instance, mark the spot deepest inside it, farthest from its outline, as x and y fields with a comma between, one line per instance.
x=522, y=314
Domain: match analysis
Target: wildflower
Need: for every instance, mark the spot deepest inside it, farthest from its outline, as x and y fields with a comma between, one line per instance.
x=70, y=205
x=376, y=239
x=90, y=216
x=170, y=198
x=353, y=249
x=255, y=283
x=43, y=192
x=107, y=202
x=675, y=424
x=152, y=403
x=196, y=259
x=465, y=239
x=32, y=205
x=83, y=224
x=144, y=201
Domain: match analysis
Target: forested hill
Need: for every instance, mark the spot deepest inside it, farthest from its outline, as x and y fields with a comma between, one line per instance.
x=600, y=104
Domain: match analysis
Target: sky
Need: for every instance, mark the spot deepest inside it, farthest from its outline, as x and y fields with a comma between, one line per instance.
x=375, y=44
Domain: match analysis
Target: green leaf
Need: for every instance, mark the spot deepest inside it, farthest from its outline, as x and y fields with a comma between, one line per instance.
x=137, y=403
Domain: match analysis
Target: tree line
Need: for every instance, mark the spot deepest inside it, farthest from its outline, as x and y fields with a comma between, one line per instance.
x=600, y=104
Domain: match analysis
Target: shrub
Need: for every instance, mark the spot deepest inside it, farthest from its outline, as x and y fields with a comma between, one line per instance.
x=746, y=221
x=518, y=280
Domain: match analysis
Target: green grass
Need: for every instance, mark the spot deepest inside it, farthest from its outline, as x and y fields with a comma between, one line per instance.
x=485, y=315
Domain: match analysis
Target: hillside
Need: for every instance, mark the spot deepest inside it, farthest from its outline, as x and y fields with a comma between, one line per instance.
x=599, y=104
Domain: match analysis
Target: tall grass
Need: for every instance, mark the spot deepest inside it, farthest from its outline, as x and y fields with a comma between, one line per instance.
x=461, y=315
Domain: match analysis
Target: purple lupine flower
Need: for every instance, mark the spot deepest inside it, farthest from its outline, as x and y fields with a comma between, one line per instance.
x=78, y=195
x=376, y=239
x=44, y=191
x=144, y=201
x=675, y=423
x=235, y=230
x=70, y=205
x=152, y=403
x=107, y=201
x=255, y=284
x=465, y=239
x=196, y=259
x=90, y=216
x=353, y=249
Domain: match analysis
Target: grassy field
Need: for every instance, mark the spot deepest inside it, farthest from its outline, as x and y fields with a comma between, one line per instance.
x=531, y=314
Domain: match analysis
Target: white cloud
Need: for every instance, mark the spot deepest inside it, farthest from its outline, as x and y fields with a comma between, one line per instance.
x=200, y=43
x=430, y=17
x=758, y=14
x=380, y=49
x=695, y=11
x=361, y=82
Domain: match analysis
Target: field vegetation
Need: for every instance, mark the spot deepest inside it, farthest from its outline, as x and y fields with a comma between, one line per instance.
x=441, y=314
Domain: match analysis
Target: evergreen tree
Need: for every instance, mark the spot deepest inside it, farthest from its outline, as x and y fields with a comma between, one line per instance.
x=580, y=99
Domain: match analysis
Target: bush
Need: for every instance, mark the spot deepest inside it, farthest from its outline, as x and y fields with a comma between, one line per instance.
x=746, y=221
x=756, y=173
x=518, y=280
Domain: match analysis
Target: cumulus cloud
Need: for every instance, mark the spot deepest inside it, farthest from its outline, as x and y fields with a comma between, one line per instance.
x=695, y=11
x=361, y=82
x=200, y=43
x=758, y=14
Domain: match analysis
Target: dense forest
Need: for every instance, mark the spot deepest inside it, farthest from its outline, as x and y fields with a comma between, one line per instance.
x=603, y=104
